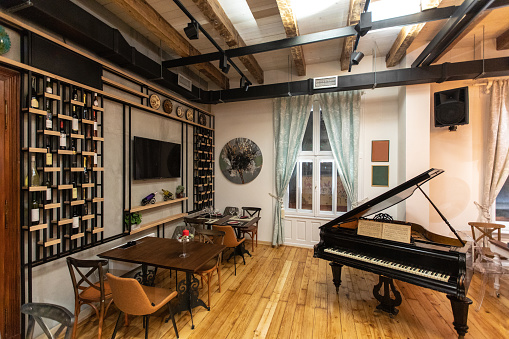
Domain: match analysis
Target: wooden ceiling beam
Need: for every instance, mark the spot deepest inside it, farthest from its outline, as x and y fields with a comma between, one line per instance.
x=354, y=16
x=503, y=41
x=216, y=16
x=142, y=12
x=406, y=36
x=292, y=30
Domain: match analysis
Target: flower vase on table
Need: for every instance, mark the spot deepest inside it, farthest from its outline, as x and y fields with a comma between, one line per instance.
x=184, y=238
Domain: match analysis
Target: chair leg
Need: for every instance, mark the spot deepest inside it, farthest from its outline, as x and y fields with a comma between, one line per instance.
x=117, y=325
x=101, y=320
x=146, y=325
x=234, y=261
x=209, y=275
x=76, y=315
x=173, y=320
x=252, y=240
x=219, y=278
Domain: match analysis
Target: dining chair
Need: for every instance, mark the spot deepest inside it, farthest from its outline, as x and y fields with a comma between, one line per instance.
x=231, y=210
x=133, y=298
x=87, y=291
x=231, y=241
x=206, y=271
x=253, y=230
x=483, y=231
x=37, y=312
x=195, y=223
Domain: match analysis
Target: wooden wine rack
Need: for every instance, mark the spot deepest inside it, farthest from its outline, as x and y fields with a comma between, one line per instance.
x=53, y=235
x=203, y=168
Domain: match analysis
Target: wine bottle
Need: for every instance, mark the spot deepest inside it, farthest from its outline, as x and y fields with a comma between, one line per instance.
x=85, y=171
x=85, y=113
x=34, y=175
x=96, y=100
x=48, y=189
x=49, y=85
x=74, y=189
x=49, y=115
x=75, y=94
x=34, y=218
x=95, y=154
x=74, y=120
x=95, y=124
x=85, y=206
x=74, y=161
x=34, y=102
x=75, y=221
x=49, y=155
x=63, y=136
x=84, y=99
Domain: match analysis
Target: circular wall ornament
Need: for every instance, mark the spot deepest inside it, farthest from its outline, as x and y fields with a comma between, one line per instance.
x=5, y=41
x=189, y=114
x=202, y=119
x=241, y=160
x=155, y=102
x=180, y=111
x=167, y=106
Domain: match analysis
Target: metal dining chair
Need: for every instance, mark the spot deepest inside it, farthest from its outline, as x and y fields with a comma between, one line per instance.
x=37, y=312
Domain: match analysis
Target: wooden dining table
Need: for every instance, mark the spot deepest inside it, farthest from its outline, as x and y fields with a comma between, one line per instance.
x=165, y=253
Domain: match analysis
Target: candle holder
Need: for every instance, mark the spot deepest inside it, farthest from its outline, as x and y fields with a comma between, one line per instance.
x=184, y=239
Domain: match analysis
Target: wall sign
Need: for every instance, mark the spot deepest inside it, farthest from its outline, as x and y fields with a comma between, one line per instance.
x=240, y=160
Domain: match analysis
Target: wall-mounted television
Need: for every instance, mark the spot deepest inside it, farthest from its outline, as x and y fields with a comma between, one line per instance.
x=155, y=159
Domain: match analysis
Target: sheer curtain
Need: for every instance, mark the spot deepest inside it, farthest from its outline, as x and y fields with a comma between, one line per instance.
x=497, y=162
x=290, y=116
x=341, y=115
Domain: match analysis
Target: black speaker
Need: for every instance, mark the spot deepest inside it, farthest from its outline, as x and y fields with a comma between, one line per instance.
x=451, y=108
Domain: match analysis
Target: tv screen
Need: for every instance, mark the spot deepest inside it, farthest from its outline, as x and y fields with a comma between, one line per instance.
x=154, y=159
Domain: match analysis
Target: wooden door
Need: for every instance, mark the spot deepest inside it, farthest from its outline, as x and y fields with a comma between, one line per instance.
x=10, y=266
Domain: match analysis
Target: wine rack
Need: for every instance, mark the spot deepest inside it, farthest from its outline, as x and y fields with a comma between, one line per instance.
x=203, y=168
x=62, y=138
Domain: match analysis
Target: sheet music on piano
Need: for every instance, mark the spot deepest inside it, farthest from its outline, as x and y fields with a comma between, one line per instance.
x=384, y=230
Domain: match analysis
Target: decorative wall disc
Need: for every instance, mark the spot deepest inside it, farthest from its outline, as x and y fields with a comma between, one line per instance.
x=189, y=114
x=155, y=102
x=167, y=106
x=202, y=119
x=241, y=160
x=180, y=111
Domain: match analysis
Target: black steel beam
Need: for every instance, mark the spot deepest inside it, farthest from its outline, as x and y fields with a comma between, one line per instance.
x=398, y=77
x=461, y=18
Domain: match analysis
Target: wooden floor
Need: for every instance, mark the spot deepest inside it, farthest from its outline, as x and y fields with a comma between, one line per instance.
x=286, y=293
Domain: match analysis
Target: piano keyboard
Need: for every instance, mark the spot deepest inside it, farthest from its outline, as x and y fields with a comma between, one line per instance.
x=390, y=264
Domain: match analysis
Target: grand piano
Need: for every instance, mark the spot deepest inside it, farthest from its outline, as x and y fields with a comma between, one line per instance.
x=399, y=250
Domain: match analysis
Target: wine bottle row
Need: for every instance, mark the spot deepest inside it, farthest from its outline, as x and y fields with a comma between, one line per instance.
x=203, y=168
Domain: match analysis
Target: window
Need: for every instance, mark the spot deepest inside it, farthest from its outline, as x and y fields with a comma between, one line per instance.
x=315, y=187
x=502, y=203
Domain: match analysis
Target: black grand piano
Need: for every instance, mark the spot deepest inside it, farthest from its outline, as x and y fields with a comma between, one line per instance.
x=426, y=259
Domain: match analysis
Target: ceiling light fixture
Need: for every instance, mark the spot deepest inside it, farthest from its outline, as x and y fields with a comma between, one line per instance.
x=223, y=64
x=356, y=57
x=245, y=83
x=192, y=31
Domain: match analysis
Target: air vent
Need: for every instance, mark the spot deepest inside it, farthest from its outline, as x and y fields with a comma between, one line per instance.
x=185, y=82
x=325, y=82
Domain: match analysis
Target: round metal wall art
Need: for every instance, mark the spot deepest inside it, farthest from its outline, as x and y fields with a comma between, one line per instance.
x=167, y=106
x=180, y=111
x=202, y=119
x=155, y=102
x=241, y=160
x=189, y=114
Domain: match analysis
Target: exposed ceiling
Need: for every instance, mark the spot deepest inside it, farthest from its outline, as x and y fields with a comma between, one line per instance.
x=237, y=23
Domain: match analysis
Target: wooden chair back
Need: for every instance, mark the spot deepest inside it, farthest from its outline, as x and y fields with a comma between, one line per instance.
x=485, y=232
x=37, y=312
x=230, y=239
x=251, y=211
x=231, y=210
x=129, y=296
x=196, y=223
x=83, y=276
x=210, y=236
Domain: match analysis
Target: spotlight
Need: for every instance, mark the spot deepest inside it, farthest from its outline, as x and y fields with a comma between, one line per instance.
x=192, y=30
x=356, y=57
x=245, y=83
x=223, y=64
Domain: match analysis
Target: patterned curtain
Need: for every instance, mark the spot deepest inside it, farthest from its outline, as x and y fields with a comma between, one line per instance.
x=341, y=115
x=290, y=117
x=497, y=165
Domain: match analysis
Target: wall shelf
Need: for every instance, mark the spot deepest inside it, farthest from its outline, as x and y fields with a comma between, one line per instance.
x=158, y=222
x=34, y=228
x=157, y=204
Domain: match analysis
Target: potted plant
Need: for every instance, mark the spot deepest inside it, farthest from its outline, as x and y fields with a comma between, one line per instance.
x=134, y=218
x=180, y=191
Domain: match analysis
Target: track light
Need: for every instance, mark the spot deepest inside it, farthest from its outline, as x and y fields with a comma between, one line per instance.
x=223, y=64
x=192, y=30
x=245, y=83
x=356, y=57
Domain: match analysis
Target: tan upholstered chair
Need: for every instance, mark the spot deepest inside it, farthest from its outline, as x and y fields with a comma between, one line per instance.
x=206, y=271
x=132, y=298
x=253, y=230
x=231, y=241
x=87, y=291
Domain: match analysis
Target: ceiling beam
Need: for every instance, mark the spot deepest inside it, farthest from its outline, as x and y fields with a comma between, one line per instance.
x=406, y=36
x=142, y=12
x=216, y=16
x=503, y=41
x=292, y=30
x=354, y=16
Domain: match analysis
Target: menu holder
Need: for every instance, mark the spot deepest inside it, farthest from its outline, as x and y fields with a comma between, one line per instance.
x=384, y=230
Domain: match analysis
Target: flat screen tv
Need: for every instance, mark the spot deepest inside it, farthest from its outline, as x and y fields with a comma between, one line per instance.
x=154, y=159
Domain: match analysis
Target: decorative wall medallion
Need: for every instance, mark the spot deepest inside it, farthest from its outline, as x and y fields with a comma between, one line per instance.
x=167, y=106
x=189, y=114
x=155, y=102
x=240, y=160
x=180, y=111
x=5, y=41
x=202, y=119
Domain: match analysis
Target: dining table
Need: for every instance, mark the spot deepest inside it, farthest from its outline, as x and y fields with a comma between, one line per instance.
x=167, y=253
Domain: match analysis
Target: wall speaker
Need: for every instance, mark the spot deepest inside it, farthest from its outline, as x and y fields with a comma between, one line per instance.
x=451, y=108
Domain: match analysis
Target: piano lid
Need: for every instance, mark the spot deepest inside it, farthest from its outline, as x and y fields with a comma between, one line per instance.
x=389, y=198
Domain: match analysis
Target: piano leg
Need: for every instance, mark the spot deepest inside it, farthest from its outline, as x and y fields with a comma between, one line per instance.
x=460, y=312
x=387, y=304
x=336, y=274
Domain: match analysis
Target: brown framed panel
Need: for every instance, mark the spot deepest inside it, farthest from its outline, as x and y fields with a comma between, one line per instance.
x=380, y=150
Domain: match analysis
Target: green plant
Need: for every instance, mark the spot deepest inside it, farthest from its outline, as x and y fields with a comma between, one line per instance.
x=180, y=189
x=135, y=218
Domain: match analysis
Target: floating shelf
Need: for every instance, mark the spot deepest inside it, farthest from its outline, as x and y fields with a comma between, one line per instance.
x=100, y=109
x=34, y=150
x=65, y=187
x=35, y=227
x=49, y=242
x=77, y=103
x=158, y=222
x=96, y=230
x=65, y=152
x=88, y=217
x=87, y=185
x=97, y=169
x=75, y=236
x=75, y=169
x=49, y=132
x=85, y=121
x=97, y=139
x=77, y=136
x=65, y=117
x=75, y=202
x=87, y=153
x=98, y=200
x=157, y=204
x=51, y=206
x=34, y=111
x=35, y=188
x=62, y=222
